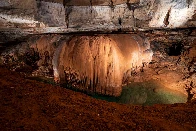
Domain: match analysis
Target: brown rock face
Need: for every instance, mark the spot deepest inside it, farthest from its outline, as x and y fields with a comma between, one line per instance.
x=99, y=63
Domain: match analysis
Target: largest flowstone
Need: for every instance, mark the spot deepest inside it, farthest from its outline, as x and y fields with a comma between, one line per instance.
x=99, y=63
x=92, y=63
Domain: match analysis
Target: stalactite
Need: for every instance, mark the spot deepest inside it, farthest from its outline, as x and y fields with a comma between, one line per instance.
x=98, y=63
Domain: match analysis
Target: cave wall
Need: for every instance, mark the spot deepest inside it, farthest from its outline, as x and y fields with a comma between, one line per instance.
x=100, y=17
x=18, y=8
x=173, y=14
x=51, y=14
x=121, y=15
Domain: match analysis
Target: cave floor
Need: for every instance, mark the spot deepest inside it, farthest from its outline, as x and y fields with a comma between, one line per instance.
x=31, y=105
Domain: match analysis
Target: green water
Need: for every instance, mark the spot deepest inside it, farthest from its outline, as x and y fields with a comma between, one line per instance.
x=137, y=93
x=150, y=93
x=145, y=93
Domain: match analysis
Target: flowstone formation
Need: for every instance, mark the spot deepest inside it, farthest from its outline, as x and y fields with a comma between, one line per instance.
x=100, y=63
x=97, y=63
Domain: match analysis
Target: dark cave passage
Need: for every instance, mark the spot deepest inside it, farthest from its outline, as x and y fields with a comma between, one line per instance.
x=175, y=50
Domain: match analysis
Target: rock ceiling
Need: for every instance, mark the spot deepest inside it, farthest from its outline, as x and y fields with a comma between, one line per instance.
x=20, y=17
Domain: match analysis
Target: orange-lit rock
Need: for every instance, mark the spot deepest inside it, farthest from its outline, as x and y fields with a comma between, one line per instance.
x=94, y=63
x=99, y=63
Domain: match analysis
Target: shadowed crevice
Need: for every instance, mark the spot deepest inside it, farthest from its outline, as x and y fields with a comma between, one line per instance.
x=166, y=20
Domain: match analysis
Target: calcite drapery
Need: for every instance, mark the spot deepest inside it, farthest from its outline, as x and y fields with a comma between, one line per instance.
x=99, y=63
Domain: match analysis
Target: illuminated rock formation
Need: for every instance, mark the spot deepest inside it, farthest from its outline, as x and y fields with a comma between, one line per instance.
x=99, y=63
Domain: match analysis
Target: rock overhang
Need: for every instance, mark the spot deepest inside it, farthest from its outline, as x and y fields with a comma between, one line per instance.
x=78, y=16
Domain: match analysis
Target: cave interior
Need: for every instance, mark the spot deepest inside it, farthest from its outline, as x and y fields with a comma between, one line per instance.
x=132, y=52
